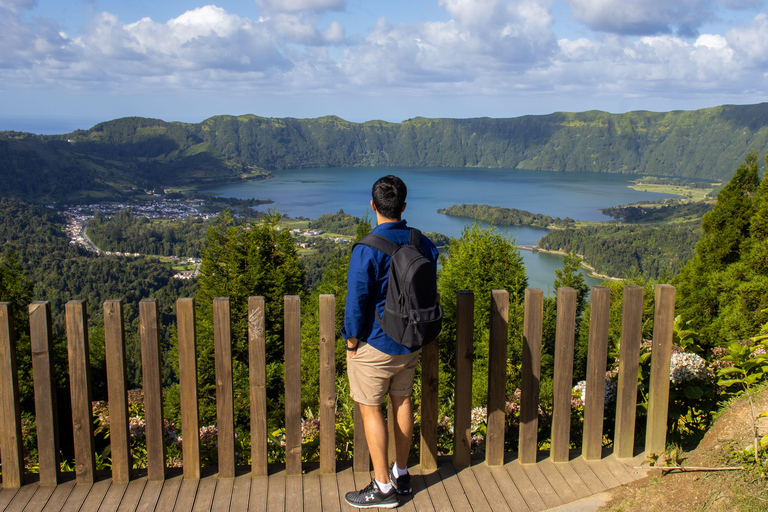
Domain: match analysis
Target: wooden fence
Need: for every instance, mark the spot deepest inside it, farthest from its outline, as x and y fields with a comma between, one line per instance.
x=114, y=333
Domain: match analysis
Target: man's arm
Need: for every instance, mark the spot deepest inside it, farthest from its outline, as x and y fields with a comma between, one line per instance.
x=359, y=279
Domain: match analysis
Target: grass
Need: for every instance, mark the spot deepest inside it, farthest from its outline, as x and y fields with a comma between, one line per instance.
x=692, y=194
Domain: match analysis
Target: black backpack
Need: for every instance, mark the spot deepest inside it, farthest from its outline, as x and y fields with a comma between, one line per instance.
x=412, y=315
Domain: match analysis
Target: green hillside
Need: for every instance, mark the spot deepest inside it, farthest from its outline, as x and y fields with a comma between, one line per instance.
x=127, y=153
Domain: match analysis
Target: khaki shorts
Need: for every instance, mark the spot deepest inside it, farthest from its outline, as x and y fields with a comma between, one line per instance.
x=374, y=374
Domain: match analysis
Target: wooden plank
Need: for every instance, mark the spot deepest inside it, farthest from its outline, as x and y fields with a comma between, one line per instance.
x=329, y=493
x=6, y=495
x=186, y=497
x=292, y=329
x=361, y=457
x=603, y=473
x=170, y=493
x=327, y=383
x=188, y=385
x=46, y=408
x=658, y=399
x=225, y=413
x=96, y=495
x=259, y=493
x=618, y=470
x=574, y=482
x=76, y=498
x=508, y=489
x=10, y=422
x=219, y=496
x=241, y=492
x=440, y=493
x=497, y=377
x=60, y=494
x=313, y=501
x=113, y=497
x=21, y=498
x=430, y=383
x=563, y=381
x=258, y=384
x=629, y=361
x=556, y=480
x=117, y=389
x=294, y=492
x=544, y=488
x=276, y=495
x=587, y=476
x=488, y=486
x=420, y=496
x=524, y=485
x=132, y=496
x=150, y=496
x=80, y=390
x=462, y=403
x=531, y=375
x=41, y=497
x=346, y=483
x=468, y=486
x=205, y=491
x=594, y=406
x=149, y=330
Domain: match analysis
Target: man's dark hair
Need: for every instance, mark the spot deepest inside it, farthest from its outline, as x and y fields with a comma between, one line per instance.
x=389, y=195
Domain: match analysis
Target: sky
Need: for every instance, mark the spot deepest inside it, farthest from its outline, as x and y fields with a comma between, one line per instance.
x=71, y=64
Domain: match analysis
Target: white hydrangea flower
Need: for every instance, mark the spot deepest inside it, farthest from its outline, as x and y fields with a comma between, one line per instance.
x=687, y=367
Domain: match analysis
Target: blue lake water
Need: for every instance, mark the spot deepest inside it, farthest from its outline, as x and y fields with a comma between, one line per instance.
x=312, y=192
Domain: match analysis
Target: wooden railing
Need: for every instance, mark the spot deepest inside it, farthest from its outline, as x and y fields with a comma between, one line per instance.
x=114, y=333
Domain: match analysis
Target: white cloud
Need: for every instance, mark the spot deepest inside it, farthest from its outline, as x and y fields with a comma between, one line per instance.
x=643, y=17
x=300, y=5
x=16, y=6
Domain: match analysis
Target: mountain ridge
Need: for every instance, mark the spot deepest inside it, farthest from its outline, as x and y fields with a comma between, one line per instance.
x=144, y=152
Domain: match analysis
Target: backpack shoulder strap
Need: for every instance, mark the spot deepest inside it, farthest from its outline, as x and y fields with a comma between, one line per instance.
x=386, y=246
x=416, y=238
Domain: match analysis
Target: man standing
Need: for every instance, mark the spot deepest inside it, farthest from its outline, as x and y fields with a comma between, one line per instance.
x=376, y=364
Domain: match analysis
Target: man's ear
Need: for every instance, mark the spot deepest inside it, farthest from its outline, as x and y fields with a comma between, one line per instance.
x=373, y=206
x=404, y=205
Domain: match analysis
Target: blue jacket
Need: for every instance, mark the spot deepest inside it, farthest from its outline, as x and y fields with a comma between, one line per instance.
x=367, y=288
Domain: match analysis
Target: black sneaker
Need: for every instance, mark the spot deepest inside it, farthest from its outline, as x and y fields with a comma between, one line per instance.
x=371, y=497
x=401, y=483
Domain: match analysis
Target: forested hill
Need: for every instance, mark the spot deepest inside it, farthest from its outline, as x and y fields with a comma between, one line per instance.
x=701, y=143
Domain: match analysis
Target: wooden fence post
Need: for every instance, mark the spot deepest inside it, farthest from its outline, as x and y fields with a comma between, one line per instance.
x=292, y=327
x=10, y=422
x=225, y=412
x=531, y=375
x=80, y=391
x=257, y=380
x=149, y=332
x=188, y=383
x=497, y=377
x=361, y=458
x=658, y=399
x=594, y=407
x=462, y=404
x=117, y=389
x=563, y=381
x=46, y=411
x=629, y=361
x=327, y=383
x=430, y=382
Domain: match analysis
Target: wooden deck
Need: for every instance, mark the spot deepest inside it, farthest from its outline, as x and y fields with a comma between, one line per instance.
x=511, y=487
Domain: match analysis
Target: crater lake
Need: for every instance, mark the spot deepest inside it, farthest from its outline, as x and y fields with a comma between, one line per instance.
x=311, y=193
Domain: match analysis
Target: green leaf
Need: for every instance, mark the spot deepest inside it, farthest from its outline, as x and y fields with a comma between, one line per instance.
x=694, y=392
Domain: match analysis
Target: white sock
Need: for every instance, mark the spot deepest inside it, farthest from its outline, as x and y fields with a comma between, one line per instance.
x=399, y=472
x=385, y=488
